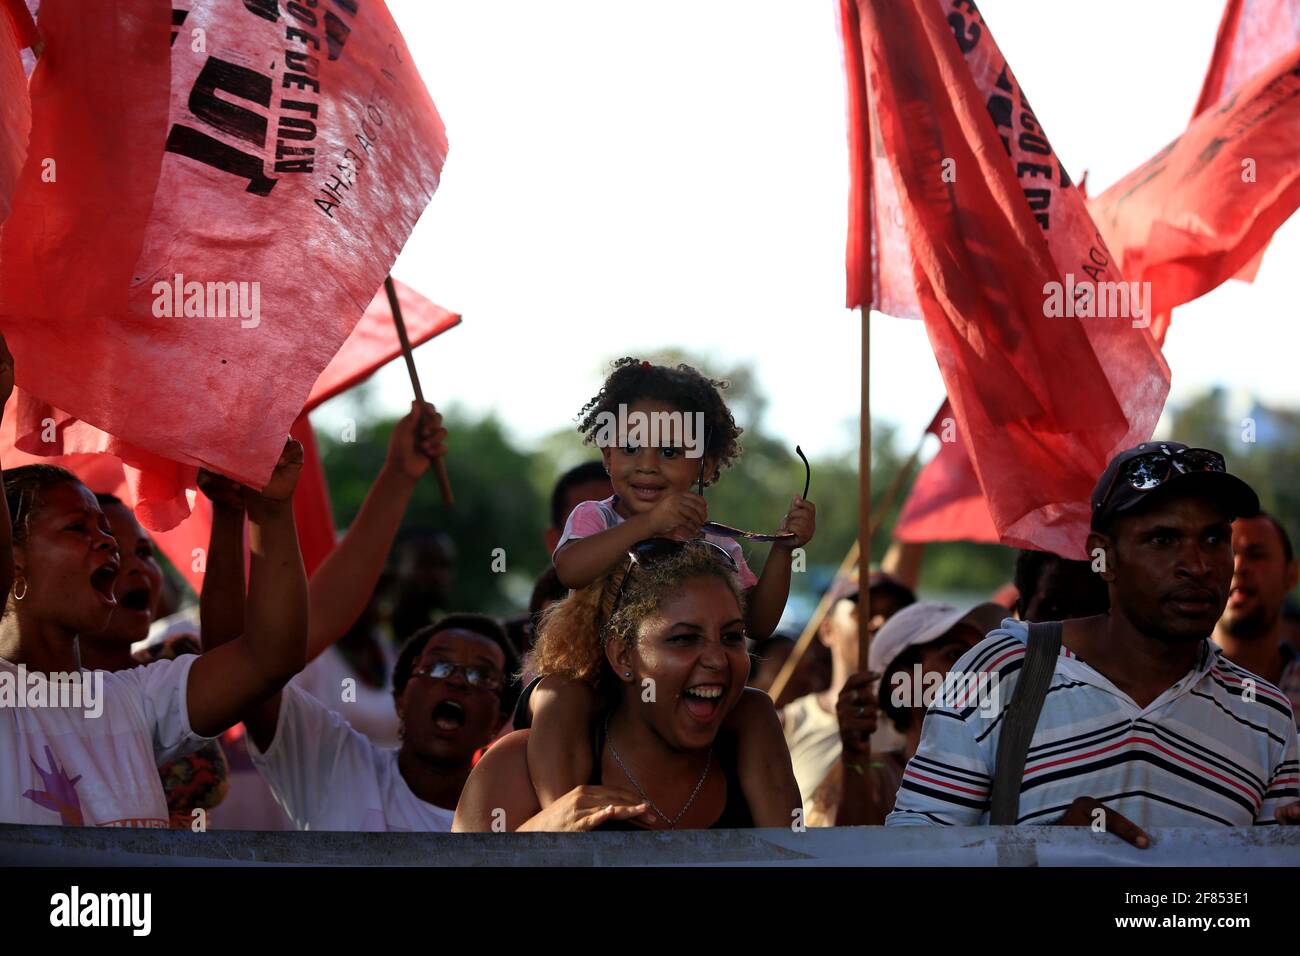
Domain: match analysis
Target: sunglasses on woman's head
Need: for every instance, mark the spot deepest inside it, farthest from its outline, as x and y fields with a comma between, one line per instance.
x=727, y=531
x=652, y=550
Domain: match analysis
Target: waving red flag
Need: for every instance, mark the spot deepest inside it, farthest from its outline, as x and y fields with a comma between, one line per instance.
x=1204, y=207
x=374, y=343
x=277, y=166
x=878, y=263
x=161, y=491
x=1000, y=241
x=1251, y=35
x=946, y=503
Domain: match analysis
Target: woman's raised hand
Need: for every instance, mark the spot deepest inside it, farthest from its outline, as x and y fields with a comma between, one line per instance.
x=418, y=438
x=221, y=490
x=285, y=477
x=586, y=807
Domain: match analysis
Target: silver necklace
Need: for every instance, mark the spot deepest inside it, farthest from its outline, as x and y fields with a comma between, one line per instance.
x=671, y=821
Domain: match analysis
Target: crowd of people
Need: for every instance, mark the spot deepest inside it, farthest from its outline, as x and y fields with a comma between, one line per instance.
x=1156, y=684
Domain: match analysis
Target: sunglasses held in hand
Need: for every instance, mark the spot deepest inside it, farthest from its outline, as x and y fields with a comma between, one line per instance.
x=726, y=531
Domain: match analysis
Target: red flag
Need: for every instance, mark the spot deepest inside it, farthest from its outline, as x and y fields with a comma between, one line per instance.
x=993, y=223
x=878, y=263
x=311, y=500
x=1251, y=35
x=21, y=23
x=946, y=503
x=15, y=104
x=374, y=343
x=186, y=544
x=1205, y=206
x=281, y=170
x=161, y=490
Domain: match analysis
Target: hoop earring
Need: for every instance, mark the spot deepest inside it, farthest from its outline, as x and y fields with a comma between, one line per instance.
x=17, y=596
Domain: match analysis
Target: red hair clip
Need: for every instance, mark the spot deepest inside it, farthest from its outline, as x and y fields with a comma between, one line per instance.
x=645, y=365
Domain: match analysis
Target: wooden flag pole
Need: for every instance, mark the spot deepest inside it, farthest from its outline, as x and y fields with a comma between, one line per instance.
x=864, y=493
x=810, y=629
x=823, y=608
x=439, y=469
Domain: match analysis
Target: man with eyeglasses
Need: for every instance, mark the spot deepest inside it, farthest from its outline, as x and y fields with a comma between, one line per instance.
x=447, y=688
x=1144, y=723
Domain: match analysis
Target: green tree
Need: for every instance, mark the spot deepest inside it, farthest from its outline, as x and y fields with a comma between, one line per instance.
x=497, y=504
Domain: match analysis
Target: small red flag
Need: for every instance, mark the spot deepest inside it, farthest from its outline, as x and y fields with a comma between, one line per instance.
x=946, y=503
x=373, y=343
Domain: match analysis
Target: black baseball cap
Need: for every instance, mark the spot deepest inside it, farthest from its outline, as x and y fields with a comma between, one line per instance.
x=1207, y=475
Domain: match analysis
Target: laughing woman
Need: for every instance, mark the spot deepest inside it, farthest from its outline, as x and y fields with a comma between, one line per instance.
x=91, y=758
x=663, y=639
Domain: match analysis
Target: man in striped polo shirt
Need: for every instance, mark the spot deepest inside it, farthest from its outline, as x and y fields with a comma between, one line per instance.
x=1144, y=724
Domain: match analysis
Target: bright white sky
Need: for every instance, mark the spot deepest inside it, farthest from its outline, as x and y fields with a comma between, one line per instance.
x=626, y=176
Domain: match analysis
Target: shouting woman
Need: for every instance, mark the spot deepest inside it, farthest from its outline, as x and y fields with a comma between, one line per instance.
x=82, y=747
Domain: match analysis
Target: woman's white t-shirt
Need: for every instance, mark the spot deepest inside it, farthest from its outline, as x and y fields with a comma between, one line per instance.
x=328, y=776
x=96, y=765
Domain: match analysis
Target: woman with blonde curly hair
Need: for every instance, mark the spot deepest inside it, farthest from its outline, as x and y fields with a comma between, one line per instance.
x=662, y=639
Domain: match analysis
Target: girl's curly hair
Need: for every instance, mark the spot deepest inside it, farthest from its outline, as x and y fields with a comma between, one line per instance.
x=682, y=387
x=573, y=632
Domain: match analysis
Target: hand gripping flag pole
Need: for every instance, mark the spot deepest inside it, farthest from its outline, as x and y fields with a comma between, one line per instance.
x=439, y=469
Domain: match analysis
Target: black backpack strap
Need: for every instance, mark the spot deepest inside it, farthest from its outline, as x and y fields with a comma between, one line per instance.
x=1020, y=719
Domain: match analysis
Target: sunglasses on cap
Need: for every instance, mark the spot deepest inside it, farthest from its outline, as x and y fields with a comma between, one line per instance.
x=1150, y=470
x=652, y=550
x=727, y=531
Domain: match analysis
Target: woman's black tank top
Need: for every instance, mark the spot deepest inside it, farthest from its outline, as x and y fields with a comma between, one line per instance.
x=735, y=813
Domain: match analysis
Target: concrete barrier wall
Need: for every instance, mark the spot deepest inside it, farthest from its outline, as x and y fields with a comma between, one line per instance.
x=848, y=846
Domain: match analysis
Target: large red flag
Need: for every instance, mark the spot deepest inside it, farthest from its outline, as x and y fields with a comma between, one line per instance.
x=161, y=490
x=998, y=236
x=1202, y=209
x=32, y=431
x=57, y=439
x=15, y=104
x=277, y=161
x=946, y=502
